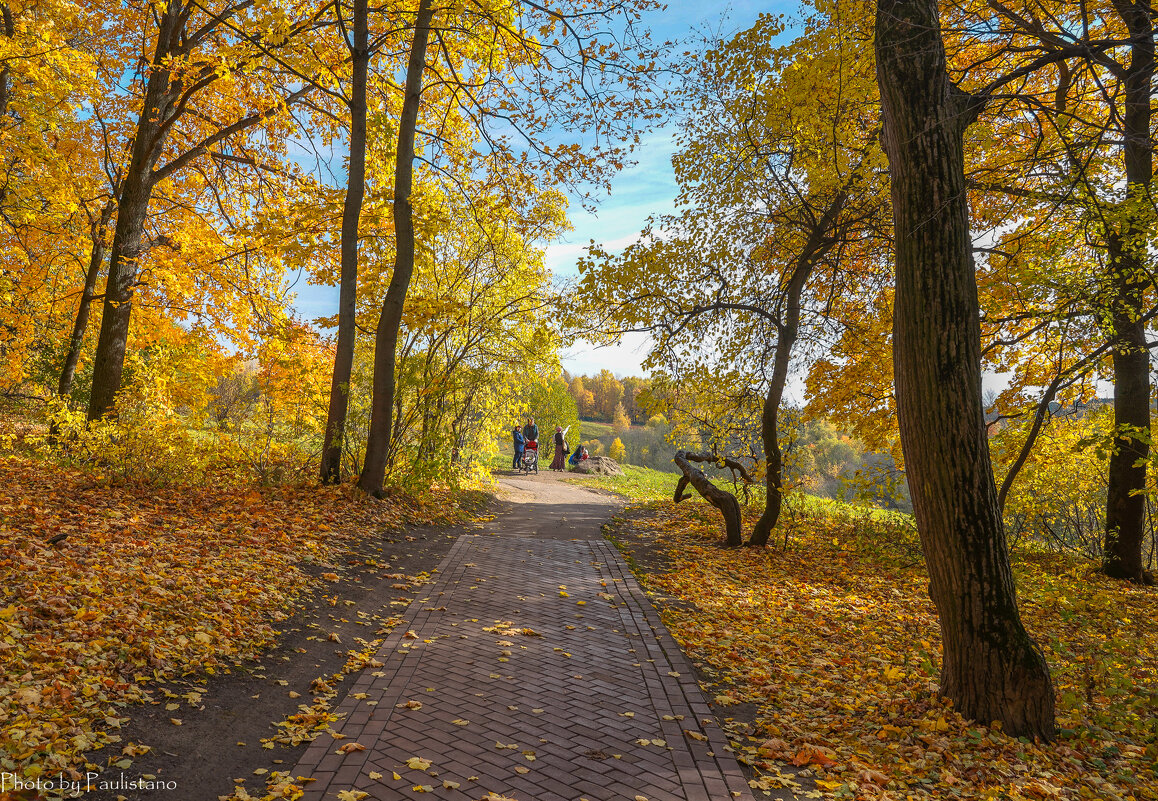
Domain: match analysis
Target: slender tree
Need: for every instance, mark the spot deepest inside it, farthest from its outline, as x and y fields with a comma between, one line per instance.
x=386, y=338
x=88, y=294
x=586, y=68
x=780, y=171
x=992, y=669
x=1073, y=164
x=359, y=47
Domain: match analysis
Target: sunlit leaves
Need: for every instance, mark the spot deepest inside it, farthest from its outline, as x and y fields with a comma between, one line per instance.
x=837, y=643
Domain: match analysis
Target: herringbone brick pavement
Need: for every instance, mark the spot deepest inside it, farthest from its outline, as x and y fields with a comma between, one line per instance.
x=531, y=668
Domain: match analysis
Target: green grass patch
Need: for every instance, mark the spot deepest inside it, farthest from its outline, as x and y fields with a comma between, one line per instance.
x=637, y=484
x=589, y=429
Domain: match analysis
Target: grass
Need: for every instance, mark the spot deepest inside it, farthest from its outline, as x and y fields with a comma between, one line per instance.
x=637, y=484
x=834, y=640
x=589, y=429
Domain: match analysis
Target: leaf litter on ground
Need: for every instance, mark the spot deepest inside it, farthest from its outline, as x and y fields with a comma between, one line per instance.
x=151, y=584
x=836, y=643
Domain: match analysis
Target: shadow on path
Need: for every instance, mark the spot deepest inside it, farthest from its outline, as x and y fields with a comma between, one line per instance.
x=535, y=668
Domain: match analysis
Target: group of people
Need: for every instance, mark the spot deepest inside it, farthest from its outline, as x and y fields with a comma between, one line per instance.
x=528, y=439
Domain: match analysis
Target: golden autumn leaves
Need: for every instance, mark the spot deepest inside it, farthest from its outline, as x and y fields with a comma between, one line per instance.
x=191, y=580
x=837, y=645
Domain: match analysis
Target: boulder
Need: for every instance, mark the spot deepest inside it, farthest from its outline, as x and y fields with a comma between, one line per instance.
x=598, y=466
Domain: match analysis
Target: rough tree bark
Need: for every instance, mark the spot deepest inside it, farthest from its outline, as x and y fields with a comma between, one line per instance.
x=992, y=669
x=165, y=102
x=80, y=324
x=331, y=469
x=132, y=210
x=1125, y=497
x=386, y=337
x=724, y=501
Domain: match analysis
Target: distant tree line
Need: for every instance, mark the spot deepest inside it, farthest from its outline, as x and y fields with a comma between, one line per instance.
x=605, y=398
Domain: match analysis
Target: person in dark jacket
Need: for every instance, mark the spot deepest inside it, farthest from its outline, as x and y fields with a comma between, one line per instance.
x=520, y=446
x=531, y=432
x=579, y=455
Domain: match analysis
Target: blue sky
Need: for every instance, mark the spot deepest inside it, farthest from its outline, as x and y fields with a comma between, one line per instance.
x=645, y=189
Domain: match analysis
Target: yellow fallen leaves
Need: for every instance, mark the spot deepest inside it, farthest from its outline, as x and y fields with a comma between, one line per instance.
x=839, y=647
x=418, y=763
x=152, y=583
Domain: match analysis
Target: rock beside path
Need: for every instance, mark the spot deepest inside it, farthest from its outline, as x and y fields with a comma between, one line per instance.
x=598, y=466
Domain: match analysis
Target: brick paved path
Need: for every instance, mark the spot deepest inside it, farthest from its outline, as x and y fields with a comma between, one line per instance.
x=526, y=692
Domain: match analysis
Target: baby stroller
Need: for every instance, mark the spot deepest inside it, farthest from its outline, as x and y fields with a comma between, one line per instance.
x=531, y=457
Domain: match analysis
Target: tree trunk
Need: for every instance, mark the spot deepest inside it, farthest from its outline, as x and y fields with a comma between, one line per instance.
x=1125, y=497
x=773, y=458
x=331, y=471
x=132, y=210
x=386, y=338
x=80, y=325
x=818, y=244
x=992, y=669
x=6, y=73
x=724, y=501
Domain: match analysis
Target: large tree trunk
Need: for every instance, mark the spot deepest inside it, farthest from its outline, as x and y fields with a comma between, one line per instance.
x=331, y=472
x=132, y=211
x=992, y=669
x=80, y=324
x=1125, y=498
x=386, y=338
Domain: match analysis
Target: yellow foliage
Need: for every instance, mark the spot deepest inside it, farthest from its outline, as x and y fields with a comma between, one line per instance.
x=837, y=643
x=616, y=451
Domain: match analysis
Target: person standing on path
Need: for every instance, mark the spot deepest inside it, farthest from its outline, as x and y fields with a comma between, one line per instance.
x=557, y=463
x=520, y=446
x=531, y=432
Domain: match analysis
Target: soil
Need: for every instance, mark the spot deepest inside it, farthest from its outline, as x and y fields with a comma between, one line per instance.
x=218, y=743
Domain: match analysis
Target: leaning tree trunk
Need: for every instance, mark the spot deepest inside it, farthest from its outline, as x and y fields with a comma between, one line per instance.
x=132, y=210
x=724, y=501
x=1125, y=497
x=331, y=471
x=992, y=669
x=80, y=324
x=773, y=457
x=386, y=337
